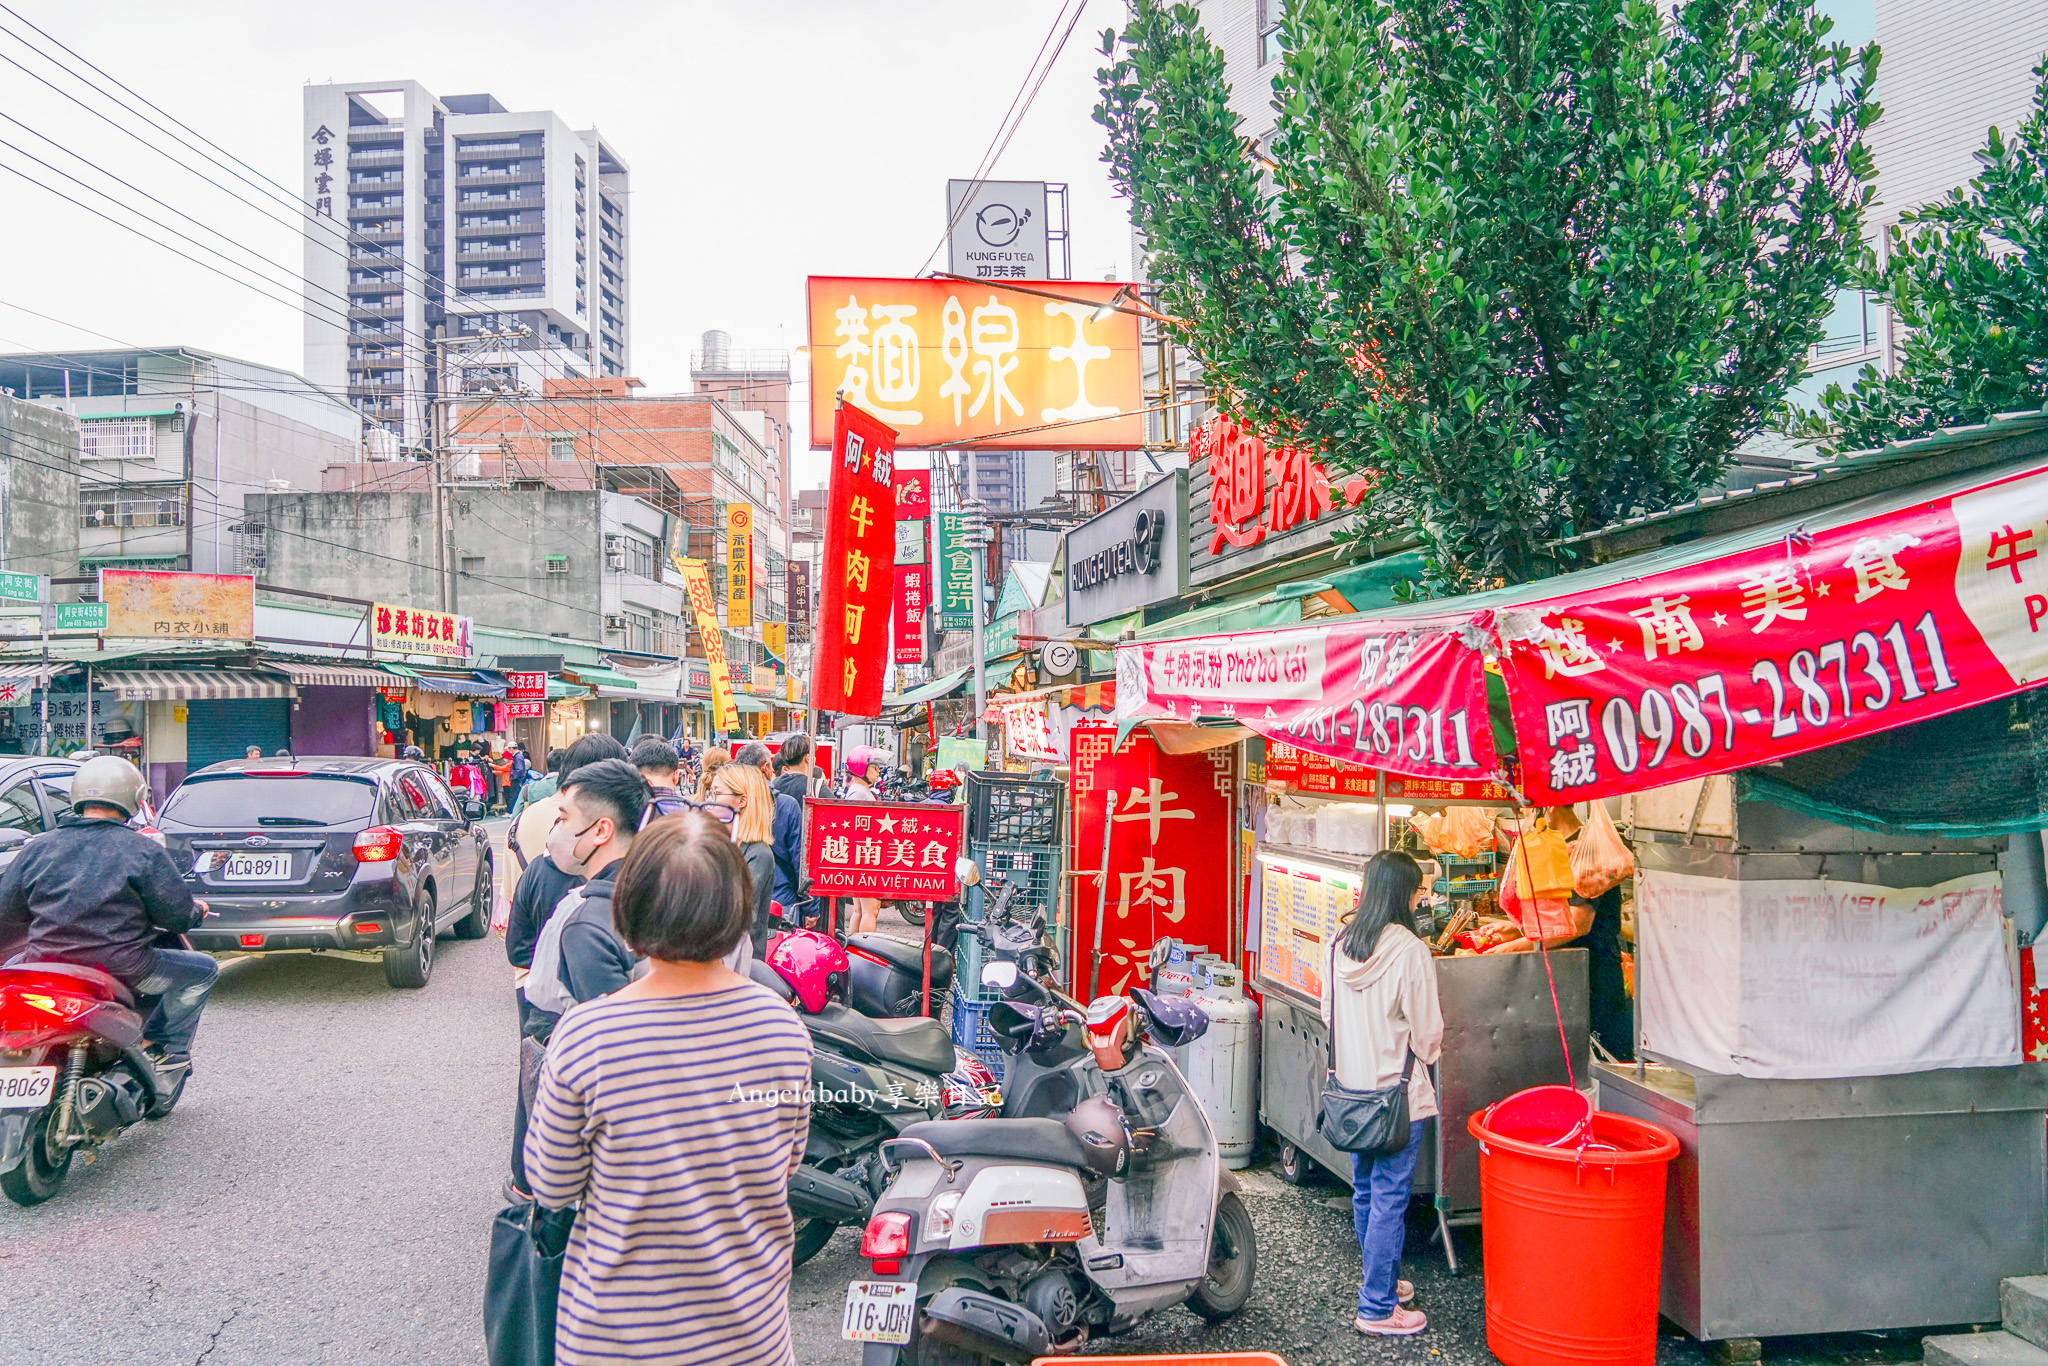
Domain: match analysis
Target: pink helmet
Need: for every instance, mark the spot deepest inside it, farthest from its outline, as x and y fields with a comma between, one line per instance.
x=862, y=760
x=813, y=964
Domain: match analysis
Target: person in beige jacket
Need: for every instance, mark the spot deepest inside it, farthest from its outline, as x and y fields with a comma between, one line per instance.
x=1380, y=1003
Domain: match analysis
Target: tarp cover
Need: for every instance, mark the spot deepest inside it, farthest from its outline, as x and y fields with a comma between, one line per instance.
x=1824, y=979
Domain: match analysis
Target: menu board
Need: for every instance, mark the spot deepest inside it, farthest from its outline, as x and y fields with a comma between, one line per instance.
x=1301, y=770
x=1303, y=904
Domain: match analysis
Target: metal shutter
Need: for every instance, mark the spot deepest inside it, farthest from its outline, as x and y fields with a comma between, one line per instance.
x=224, y=729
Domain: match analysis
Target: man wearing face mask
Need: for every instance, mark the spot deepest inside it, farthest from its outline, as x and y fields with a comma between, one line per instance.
x=542, y=885
x=579, y=955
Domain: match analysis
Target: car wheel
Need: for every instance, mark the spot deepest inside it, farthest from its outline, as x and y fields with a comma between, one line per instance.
x=477, y=923
x=409, y=965
x=40, y=1173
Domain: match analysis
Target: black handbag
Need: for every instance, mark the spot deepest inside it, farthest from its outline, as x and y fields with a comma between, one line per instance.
x=1372, y=1123
x=521, y=1282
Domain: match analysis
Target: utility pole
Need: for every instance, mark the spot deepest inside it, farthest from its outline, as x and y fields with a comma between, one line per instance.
x=437, y=420
x=977, y=536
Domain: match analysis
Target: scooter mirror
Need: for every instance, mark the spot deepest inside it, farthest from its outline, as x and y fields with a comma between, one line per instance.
x=967, y=870
x=1000, y=975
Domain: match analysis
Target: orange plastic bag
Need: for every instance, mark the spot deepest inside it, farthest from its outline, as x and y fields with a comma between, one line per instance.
x=1430, y=828
x=1555, y=920
x=1468, y=831
x=1600, y=861
x=1540, y=864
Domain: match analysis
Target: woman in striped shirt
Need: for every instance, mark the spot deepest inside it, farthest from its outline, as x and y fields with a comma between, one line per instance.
x=674, y=1111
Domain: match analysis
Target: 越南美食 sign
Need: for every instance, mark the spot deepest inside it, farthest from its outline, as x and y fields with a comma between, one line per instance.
x=949, y=364
x=415, y=631
x=890, y=850
x=1131, y=556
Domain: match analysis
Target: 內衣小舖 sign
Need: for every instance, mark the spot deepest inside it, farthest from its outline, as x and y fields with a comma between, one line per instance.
x=165, y=604
x=950, y=364
x=999, y=229
x=1131, y=556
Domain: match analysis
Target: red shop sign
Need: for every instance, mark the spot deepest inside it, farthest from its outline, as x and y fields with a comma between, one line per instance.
x=913, y=598
x=913, y=495
x=1823, y=637
x=1169, y=852
x=891, y=850
x=853, y=644
x=1304, y=770
x=527, y=707
x=524, y=687
x=1406, y=696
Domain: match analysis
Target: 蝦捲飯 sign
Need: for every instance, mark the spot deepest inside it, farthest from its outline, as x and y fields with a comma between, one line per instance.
x=902, y=850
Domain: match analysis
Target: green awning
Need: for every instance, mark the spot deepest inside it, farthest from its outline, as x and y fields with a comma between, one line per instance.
x=1364, y=586
x=927, y=692
x=751, y=705
x=559, y=691
x=1240, y=614
x=131, y=412
x=602, y=678
x=399, y=669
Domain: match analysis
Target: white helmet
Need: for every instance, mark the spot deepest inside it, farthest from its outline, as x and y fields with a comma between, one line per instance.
x=109, y=781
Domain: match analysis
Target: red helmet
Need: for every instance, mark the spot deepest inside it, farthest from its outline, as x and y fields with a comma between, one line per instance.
x=944, y=780
x=813, y=964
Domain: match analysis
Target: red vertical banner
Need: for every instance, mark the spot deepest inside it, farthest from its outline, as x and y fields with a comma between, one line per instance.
x=913, y=596
x=858, y=569
x=1169, y=843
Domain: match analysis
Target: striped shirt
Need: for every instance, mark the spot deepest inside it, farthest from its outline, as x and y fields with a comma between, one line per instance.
x=676, y=1123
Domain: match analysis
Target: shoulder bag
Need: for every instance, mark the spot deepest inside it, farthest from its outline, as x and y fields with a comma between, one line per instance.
x=521, y=1281
x=1372, y=1123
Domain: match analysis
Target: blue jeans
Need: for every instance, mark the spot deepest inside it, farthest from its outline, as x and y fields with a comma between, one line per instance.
x=1379, y=1210
x=182, y=979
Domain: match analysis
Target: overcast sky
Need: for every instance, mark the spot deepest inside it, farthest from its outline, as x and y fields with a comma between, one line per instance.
x=768, y=140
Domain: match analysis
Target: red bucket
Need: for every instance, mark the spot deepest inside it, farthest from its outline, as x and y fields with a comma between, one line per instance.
x=1548, y=1116
x=1574, y=1241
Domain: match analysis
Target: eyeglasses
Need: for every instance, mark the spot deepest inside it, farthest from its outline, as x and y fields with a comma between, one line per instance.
x=675, y=806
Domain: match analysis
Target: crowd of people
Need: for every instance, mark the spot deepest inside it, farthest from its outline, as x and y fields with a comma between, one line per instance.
x=648, y=884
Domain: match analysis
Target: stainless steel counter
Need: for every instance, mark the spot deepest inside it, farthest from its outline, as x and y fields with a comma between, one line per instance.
x=1850, y=1204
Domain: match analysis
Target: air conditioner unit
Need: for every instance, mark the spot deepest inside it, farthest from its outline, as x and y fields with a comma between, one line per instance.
x=614, y=622
x=558, y=564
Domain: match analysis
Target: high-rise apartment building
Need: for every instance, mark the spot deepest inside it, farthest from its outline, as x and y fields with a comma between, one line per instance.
x=452, y=223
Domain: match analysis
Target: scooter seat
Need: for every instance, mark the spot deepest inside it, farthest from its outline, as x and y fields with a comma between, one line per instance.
x=904, y=955
x=916, y=1041
x=1029, y=1140
x=105, y=985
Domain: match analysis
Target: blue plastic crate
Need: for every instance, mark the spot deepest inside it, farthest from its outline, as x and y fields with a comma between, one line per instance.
x=971, y=1031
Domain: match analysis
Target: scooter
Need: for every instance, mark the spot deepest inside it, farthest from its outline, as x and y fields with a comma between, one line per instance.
x=1010, y=1239
x=73, y=1075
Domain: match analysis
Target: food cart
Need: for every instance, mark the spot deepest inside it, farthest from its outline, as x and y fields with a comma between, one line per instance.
x=1501, y=1035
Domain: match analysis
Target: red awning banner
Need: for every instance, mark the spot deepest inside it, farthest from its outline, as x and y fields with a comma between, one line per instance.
x=1810, y=641
x=1407, y=695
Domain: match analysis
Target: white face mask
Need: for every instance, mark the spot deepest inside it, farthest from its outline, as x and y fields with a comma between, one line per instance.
x=562, y=842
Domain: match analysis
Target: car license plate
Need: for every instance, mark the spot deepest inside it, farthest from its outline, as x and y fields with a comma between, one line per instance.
x=257, y=868
x=29, y=1088
x=879, y=1311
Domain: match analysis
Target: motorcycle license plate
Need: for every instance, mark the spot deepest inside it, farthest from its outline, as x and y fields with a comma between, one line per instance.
x=29, y=1088
x=879, y=1311
x=257, y=868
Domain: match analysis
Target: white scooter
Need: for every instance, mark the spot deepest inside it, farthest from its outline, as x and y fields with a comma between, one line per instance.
x=1009, y=1239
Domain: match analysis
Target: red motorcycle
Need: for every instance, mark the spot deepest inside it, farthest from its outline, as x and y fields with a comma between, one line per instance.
x=72, y=1072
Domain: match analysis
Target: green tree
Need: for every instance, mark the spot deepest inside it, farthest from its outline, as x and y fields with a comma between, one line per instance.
x=1968, y=280
x=1532, y=264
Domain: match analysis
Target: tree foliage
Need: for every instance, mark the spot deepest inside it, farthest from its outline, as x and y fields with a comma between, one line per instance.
x=1967, y=278
x=1532, y=264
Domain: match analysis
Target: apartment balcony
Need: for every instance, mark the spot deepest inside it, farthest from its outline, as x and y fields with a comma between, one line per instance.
x=493, y=151
x=501, y=254
x=370, y=235
x=379, y=156
x=372, y=314
x=499, y=203
x=375, y=132
x=494, y=227
x=471, y=177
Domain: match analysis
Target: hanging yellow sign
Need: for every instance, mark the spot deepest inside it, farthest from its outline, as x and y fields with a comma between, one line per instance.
x=697, y=583
x=739, y=565
x=775, y=638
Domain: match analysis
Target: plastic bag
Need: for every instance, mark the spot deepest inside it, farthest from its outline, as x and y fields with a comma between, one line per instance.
x=1540, y=864
x=1430, y=828
x=1461, y=831
x=1555, y=920
x=1599, y=858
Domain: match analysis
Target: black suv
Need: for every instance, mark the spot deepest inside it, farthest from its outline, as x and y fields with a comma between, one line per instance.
x=342, y=855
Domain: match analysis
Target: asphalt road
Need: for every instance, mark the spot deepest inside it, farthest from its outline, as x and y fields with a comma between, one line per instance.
x=324, y=1194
